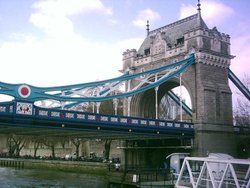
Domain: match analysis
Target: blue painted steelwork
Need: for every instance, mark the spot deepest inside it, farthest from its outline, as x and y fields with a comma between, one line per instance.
x=231, y=76
x=239, y=84
x=26, y=114
x=22, y=112
x=66, y=93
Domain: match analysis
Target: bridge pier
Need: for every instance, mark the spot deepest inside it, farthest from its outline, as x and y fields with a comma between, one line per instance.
x=216, y=139
x=151, y=153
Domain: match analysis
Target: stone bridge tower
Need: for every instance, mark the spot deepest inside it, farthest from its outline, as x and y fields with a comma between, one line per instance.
x=206, y=81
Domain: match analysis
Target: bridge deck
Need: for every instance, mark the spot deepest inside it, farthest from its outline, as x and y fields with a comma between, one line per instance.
x=20, y=117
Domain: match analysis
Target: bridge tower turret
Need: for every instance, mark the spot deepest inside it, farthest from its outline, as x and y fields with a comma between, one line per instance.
x=128, y=59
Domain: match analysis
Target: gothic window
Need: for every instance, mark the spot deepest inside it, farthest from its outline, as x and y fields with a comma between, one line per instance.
x=147, y=52
x=180, y=41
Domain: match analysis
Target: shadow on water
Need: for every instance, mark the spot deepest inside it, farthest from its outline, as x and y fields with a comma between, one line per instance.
x=27, y=178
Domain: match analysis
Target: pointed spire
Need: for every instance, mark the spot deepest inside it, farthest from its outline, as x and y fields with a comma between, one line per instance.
x=199, y=7
x=147, y=27
x=199, y=13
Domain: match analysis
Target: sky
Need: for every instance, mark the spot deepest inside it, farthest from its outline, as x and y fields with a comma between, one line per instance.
x=62, y=42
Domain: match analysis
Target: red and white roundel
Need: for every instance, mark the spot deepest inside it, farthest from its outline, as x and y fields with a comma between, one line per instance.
x=24, y=91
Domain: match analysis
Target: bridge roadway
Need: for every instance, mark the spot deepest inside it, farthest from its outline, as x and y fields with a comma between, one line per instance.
x=24, y=118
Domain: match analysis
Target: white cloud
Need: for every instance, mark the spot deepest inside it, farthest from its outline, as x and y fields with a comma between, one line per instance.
x=112, y=21
x=53, y=15
x=187, y=10
x=130, y=43
x=213, y=12
x=69, y=7
x=61, y=57
x=53, y=62
x=144, y=15
x=240, y=64
x=241, y=48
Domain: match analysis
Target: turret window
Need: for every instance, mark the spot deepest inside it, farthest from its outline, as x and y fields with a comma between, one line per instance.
x=147, y=52
x=180, y=41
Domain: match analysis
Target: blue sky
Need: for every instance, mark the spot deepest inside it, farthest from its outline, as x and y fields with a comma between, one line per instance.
x=60, y=42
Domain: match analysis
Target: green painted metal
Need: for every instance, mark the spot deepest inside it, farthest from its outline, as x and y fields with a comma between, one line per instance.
x=32, y=93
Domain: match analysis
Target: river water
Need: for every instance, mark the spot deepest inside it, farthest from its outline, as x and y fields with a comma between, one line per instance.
x=33, y=178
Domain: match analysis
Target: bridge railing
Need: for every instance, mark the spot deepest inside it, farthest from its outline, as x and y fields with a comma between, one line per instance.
x=214, y=172
x=26, y=112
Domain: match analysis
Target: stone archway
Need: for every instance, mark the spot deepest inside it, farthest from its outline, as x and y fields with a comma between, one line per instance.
x=143, y=105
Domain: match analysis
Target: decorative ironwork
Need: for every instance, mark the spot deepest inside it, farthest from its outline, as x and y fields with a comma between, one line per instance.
x=71, y=95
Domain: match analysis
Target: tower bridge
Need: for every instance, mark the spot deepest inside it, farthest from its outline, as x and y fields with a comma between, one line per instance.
x=184, y=53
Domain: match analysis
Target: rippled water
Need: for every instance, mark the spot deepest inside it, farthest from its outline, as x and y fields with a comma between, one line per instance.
x=10, y=178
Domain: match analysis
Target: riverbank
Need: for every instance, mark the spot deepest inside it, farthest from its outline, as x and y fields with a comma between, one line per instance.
x=94, y=168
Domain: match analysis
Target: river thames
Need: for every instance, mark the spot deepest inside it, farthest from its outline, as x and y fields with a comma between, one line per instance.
x=27, y=178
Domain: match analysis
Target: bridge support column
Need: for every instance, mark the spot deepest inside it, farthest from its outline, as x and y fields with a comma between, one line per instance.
x=98, y=104
x=156, y=102
x=115, y=104
x=129, y=103
x=180, y=98
x=212, y=109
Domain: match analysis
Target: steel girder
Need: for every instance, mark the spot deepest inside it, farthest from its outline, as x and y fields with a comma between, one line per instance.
x=72, y=95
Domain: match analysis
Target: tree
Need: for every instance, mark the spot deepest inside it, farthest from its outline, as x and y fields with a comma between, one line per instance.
x=20, y=142
x=37, y=142
x=11, y=145
x=77, y=143
x=63, y=141
x=242, y=109
x=15, y=144
x=50, y=142
x=107, y=144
